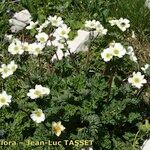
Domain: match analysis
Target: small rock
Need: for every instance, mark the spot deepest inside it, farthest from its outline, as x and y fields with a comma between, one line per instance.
x=20, y=20
x=146, y=145
x=8, y=38
x=23, y=16
x=78, y=44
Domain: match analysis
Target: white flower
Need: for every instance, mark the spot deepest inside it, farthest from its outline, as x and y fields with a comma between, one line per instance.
x=144, y=69
x=107, y=54
x=38, y=116
x=32, y=25
x=42, y=37
x=133, y=57
x=147, y=4
x=57, y=128
x=59, y=55
x=123, y=24
x=12, y=66
x=118, y=50
x=39, y=29
x=133, y=35
x=5, y=99
x=55, y=21
x=15, y=47
x=39, y=91
x=42, y=26
x=62, y=32
x=45, y=24
x=146, y=145
x=113, y=22
x=45, y=91
x=91, y=24
x=101, y=30
x=137, y=80
x=26, y=46
x=7, y=70
x=36, y=48
x=56, y=43
x=130, y=50
x=131, y=53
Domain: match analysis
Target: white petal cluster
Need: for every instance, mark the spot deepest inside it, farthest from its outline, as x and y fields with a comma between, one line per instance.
x=145, y=68
x=137, y=80
x=147, y=4
x=55, y=21
x=15, y=47
x=62, y=32
x=122, y=24
x=113, y=22
x=7, y=70
x=131, y=53
x=36, y=48
x=57, y=128
x=38, y=116
x=118, y=49
x=115, y=49
x=18, y=47
x=32, y=25
x=43, y=26
x=39, y=91
x=91, y=24
x=26, y=46
x=107, y=54
x=56, y=43
x=96, y=26
x=101, y=30
x=5, y=99
x=42, y=37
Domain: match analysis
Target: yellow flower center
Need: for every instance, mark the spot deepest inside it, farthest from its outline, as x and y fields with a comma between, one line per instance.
x=136, y=80
x=16, y=48
x=54, y=21
x=42, y=39
x=108, y=55
x=56, y=128
x=38, y=114
x=26, y=48
x=38, y=93
x=6, y=70
x=13, y=68
x=63, y=32
x=116, y=51
x=37, y=50
x=2, y=100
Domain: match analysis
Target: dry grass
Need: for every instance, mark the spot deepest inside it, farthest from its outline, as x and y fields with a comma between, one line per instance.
x=142, y=49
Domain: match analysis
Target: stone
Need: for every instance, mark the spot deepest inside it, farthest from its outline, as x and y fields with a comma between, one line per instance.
x=20, y=20
x=8, y=37
x=146, y=145
x=79, y=43
x=23, y=16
